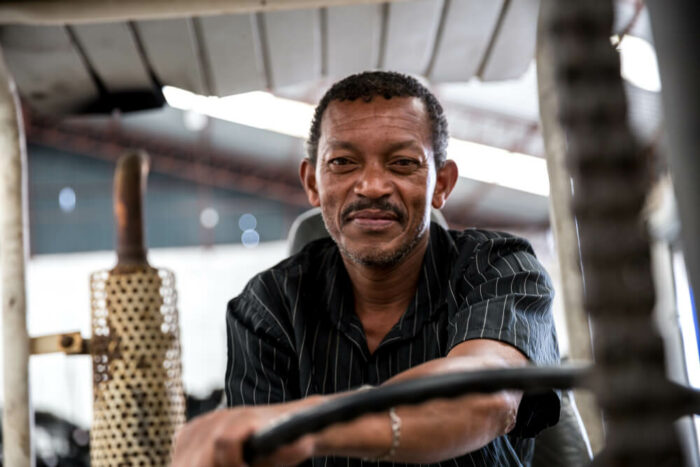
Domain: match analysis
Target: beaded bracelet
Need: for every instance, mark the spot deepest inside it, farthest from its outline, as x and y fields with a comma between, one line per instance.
x=395, y=438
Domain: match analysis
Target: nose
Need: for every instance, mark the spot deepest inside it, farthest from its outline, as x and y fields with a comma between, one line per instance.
x=374, y=182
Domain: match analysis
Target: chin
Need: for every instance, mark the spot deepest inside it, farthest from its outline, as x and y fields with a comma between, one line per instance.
x=375, y=259
x=381, y=258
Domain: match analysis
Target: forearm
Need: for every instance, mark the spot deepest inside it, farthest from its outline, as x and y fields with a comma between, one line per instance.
x=433, y=431
x=430, y=432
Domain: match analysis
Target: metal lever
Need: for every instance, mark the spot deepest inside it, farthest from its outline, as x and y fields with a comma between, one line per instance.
x=70, y=343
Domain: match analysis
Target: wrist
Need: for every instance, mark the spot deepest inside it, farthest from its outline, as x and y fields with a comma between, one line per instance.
x=316, y=440
x=366, y=436
x=389, y=454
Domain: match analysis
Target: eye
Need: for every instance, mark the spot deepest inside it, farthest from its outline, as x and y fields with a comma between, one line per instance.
x=404, y=164
x=341, y=164
x=338, y=161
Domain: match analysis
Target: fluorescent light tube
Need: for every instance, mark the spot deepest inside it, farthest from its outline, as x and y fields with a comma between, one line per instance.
x=265, y=111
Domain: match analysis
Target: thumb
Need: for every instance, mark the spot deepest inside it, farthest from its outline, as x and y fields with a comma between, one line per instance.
x=227, y=452
x=291, y=454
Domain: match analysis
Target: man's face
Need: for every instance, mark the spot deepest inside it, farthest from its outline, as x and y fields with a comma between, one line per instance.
x=374, y=178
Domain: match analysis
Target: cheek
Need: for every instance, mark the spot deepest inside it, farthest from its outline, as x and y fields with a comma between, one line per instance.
x=418, y=195
x=328, y=199
x=333, y=191
x=422, y=208
x=330, y=206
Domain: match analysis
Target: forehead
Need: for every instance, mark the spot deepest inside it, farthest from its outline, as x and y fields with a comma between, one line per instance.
x=398, y=114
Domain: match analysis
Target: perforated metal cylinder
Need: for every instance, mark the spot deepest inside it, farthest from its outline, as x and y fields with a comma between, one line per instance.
x=138, y=394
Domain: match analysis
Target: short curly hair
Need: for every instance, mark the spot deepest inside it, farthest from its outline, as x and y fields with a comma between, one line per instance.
x=386, y=84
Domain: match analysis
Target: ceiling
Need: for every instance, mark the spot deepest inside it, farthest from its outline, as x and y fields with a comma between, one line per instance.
x=477, y=57
x=74, y=68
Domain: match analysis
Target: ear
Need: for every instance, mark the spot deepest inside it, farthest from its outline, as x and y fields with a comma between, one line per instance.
x=307, y=173
x=445, y=181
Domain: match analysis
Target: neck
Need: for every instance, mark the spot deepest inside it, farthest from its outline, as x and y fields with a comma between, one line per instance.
x=382, y=295
x=386, y=289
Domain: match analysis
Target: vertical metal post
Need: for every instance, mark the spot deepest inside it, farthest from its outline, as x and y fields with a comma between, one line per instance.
x=16, y=425
x=610, y=176
x=565, y=236
x=676, y=37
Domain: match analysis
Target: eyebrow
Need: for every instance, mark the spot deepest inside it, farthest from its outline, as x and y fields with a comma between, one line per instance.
x=399, y=145
x=337, y=144
x=408, y=144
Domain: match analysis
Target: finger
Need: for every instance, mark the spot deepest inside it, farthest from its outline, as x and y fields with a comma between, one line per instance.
x=291, y=454
x=182, y=446
x=192, y=432
x=194, y=443
x=189, y=451
x=228, y=452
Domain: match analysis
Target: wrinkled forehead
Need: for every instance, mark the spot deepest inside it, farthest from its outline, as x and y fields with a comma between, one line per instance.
x=400, y=113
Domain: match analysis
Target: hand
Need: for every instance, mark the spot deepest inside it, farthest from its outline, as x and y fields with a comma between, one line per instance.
x=216, y=439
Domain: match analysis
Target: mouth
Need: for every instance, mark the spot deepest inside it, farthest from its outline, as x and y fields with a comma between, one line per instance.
x=372, y=219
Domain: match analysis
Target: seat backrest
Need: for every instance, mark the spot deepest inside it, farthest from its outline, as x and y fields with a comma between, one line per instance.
x=566, y=443
x=309, y=226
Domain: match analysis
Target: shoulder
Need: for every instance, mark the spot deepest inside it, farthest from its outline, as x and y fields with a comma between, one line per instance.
x=478, y=255
x=309, y=263
x=478, y=238
x=467, y=244
x=306, y=261
x=269, y=292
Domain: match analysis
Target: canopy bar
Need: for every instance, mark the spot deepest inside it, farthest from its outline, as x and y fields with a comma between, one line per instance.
x=13, y=243
x=38, y=12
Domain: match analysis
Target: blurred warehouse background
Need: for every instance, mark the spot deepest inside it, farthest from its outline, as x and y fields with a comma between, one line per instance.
x=223, y=189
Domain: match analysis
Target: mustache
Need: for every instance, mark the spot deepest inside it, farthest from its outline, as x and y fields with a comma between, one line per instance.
x=379, y=204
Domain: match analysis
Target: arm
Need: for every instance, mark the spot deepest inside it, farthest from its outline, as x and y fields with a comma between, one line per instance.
x=503, y=283
x=430, y=432
x=503, y=315
x=439, y=429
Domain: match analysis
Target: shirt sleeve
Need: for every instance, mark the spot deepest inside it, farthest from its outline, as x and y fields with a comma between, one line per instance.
x=506, y=295
x=260, y=368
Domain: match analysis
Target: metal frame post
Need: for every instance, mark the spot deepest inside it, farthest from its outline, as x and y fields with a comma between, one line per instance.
x=565, y=235
x=675, y=38
x=16, y=421
x=610, y=177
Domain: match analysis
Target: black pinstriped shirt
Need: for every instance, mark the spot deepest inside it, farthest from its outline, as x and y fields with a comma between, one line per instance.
x=293, y=331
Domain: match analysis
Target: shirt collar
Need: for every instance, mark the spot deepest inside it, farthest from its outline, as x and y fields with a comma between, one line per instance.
x=428, y=300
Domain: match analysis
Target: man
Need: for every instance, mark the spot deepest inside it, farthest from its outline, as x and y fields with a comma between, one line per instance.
x=390, y=297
